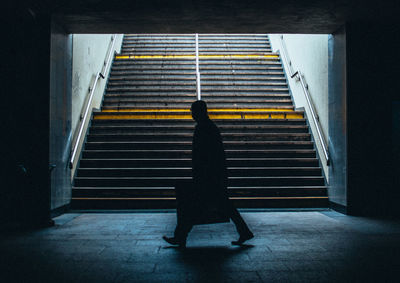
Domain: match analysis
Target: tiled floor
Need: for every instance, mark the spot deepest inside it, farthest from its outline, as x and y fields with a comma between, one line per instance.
x=127, y=247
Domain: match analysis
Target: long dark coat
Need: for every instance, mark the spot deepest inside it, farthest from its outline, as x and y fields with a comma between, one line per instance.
x=208, y=199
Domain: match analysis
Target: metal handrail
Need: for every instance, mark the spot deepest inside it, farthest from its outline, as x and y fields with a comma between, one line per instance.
x=299, y=77
x=92, y=89
x=198, y=89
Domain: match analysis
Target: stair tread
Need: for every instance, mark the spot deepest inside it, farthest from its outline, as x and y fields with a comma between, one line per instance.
x=191, y=134
x=242, y=159
x=223, y=111
x=172, y=188
x=192, y=127
x=189, y=150
x=189, y=168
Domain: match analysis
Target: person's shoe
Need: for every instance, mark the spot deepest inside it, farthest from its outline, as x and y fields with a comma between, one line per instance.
x=174, y=241
x=242, y=239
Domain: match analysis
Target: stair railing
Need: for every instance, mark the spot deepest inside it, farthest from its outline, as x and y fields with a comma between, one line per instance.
x=85, y=114
x=198, y=89
x=299, y=77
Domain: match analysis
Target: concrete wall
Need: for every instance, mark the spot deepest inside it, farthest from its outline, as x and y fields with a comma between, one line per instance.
x=89, y=55
x=309, y=54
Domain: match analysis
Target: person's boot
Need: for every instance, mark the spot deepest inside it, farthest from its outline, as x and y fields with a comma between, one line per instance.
x=175, y=241
x=243, y=238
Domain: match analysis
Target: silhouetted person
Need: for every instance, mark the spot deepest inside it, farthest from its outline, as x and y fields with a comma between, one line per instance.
x=206, y=200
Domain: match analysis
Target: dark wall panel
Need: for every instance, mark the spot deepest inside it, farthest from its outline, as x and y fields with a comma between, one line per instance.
x=372, y=72
x=25, y=194
x=60, y=116
x=395, y=200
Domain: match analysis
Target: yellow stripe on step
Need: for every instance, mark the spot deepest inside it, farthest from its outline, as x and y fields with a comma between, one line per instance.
x=267, y=115
x=166, y=110
x=213, y=56
x=143, y=116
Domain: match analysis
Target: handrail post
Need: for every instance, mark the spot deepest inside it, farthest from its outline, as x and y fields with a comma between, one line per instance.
x=198, y=89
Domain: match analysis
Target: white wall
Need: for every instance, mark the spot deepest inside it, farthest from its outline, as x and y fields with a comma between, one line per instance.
x=309, y=54
x=89, y=55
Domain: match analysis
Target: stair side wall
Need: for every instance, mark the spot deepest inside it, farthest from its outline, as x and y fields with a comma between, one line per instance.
x=309, y=54
x=89, y=54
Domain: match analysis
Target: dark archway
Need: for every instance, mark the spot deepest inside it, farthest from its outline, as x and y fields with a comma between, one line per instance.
x=369, y=175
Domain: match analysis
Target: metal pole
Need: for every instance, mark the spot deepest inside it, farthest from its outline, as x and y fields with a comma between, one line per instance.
x=198, y=90
x=313, y=115
x=85, y=116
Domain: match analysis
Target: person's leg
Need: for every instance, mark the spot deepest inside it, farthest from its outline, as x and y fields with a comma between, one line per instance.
x=241, y=226
x=182, y=230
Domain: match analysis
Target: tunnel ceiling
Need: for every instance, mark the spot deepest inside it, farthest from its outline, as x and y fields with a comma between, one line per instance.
x=206, y=16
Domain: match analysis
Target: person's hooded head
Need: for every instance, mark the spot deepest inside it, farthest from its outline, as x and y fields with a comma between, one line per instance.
x=199, y=111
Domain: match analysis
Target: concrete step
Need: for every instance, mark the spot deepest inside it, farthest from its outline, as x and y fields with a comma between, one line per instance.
x=155, y=73
x=246, y=68
x=187, y=172
x=217, y=36
x=219, y=60
x=180, y=162
x=225, y=51
x=202, y=37
x=191, y=76
x=129, y=154
x=236, y=63
x=189, y=94
x=227, y=114
x=147, y=38
x=151, y=83
x=174, y=49
x=124, y=104
x=254, y=136
x=210, y=88
x=191, y=123
x=183, y=97
x=185, y=145
x=204, y=44
x=119, y=63
x=157, y=45
x=205, y=83
x=108, y=99
x=117, y=203
x=227, y=73
x=161, y=129
x=271, y=191
x=152, y=77
x=160, y=48
x=172, y=181
x=245, y=88
x=148, y=55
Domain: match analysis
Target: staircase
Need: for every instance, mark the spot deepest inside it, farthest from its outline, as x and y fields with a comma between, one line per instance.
x=139, y=145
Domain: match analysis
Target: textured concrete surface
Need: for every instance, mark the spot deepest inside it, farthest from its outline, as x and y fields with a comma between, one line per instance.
x=205, y=16
x=127, y=247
